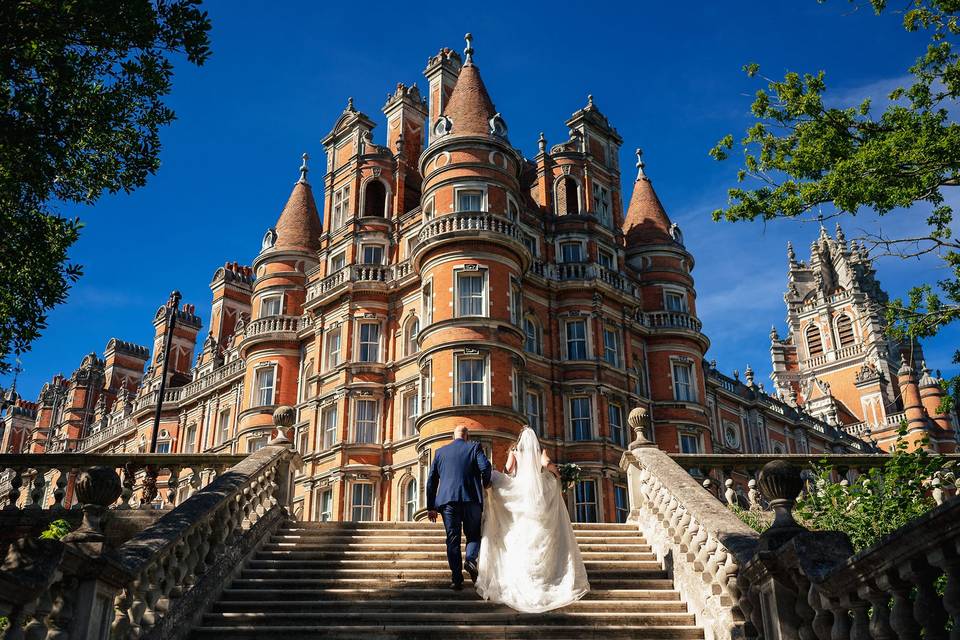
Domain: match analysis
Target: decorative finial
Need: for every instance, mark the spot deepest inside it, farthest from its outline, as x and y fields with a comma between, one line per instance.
x=303, y=169
x=468, y=52
x=640, y=164
x=590, y=101
x=542, y=143
x=791, y=255
x=350, y=104
x=748, y=374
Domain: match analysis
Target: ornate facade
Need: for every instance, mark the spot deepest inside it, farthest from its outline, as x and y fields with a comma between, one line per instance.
x=445, y=278
x=836, y=361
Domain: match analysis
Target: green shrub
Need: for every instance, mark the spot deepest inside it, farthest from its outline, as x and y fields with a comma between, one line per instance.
x=876, y=503
x=754, y=517
x=56, y=530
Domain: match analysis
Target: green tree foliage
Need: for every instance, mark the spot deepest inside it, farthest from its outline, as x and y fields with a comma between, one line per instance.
x=81, y=108
x=874, y=504
x=801, y=154
x=56, y=530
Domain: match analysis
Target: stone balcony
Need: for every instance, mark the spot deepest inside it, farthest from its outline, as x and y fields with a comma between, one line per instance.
x=470, y=225
x=835, y=355
x=580, y=272
x=672, y=320
x=358, y=277
x=270, y=328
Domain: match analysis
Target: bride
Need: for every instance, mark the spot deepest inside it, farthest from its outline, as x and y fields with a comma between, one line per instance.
x=529, y=558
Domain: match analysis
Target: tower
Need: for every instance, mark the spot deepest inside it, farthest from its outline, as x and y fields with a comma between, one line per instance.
x=676, y=346
x=470, y=258
x=836, y=362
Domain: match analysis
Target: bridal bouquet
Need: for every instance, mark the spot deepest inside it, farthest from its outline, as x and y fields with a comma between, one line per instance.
x=569, y=475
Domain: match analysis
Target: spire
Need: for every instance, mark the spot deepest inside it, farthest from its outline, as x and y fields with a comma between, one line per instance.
x=303, y=170
x=468, y=52
x=646, y=221
x=298, y=228
x=470, y=108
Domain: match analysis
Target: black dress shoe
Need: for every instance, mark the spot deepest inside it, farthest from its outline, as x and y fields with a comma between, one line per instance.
x=456, y=586
x=471, y=569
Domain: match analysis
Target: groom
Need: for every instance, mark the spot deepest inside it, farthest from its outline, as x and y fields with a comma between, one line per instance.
x=455, y=485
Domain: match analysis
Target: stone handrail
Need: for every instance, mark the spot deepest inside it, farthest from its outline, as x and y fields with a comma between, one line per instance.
x=158, y=582
x=701, y=541
x=26, y=476
x=672, y=320
x=272, y=324
x=810, y=584
x=469, y=221
x=149, y=399
x=219, y=374
x=105, y=435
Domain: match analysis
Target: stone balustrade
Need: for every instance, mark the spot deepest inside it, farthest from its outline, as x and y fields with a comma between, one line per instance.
x=702, y=542
x=31, y=481
x=229, y=370
x=156, y=583
x=272, y=324
x=148, y=400
x=810, y=584
x=671, y=320
x=463, y=224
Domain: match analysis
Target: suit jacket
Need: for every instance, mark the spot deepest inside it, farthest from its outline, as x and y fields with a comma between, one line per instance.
x=459, y=473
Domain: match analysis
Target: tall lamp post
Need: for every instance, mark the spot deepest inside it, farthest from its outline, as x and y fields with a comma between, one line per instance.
x=152, y=470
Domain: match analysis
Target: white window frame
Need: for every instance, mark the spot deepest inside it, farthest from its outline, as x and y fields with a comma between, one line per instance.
x=189, y=442
x=426, y=387
x=372, y=507
x=460, y=273
x=533, y=409
x=332, y=356
x=483, y=383
x=373, y=245
x=429, y=209
x=686, y=436
x=601, y=204
x=329, y=426
x=223, y=426
x=581, y=250
x=515, y=214
x=618, y=432
x=690, y=384
x=611, y=259
x=341, y=257
x=516, y=302
x=621, y=508
x=370, y=345
x=340, y=207
x=477, y=187
x=410, y=345
x=410, y=505
x=567, y=340
x=536, y=336
x=426, y=302
x=675, y=294
x=616, y=352
x=582, y=506
x=574, y=420
x=374, y=422
x=256, y=443
x=163, y=446
x=259, y=387
x=408, y=427
x=268, y=303
x=324, y=512
x=387, y=194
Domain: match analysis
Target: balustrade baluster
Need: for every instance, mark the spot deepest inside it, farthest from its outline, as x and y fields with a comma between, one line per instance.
x=729, y=495
x=172, y=481
x=879, y=599
x=60, y=492
x=804, y=612
x=16, y=481
x=822, y=623
x=37, y=486
x=948, y=559
x=195, y=479
x=149, y=490
x=36, y=628
x=927, y=608
x=901, y=613
x=128, y=480
x=753, y=496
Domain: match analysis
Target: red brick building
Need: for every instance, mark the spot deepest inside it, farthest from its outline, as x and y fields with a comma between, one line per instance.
x=444, y=278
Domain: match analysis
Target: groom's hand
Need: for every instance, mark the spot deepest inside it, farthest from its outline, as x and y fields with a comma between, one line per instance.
x=432, y=516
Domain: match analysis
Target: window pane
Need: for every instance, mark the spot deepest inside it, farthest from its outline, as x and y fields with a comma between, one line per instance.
x=580, y=418
x=689, y=444
x=329, y=420
x=533, y=411
x=469, y=200
x=271, y=306
x=586, y=501
x=611, y=347
x=532, y=343
x=366, y=421
x=470, y=374
x=372, y=254
x=617, y=432
x=571, y=252
x=410, y=499
x=369, y=342
x=265, y=387
x=621, y=503
x=470, y=287
x=682, y=384
x=674, y=302
x=576, y=340
x=362, y=502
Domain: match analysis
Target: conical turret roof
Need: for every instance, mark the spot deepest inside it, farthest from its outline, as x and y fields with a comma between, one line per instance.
x=298, y=227
x=470, y=107
x=646, y=220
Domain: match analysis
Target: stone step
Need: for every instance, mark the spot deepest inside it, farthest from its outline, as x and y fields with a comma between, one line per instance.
x=435, y=563
x=437, y=571
x=606, y=526
x=434, y=532
x=550, y=618
x=423, y=594
x=445, y=632
x=295, y=542
x=282, y=580
x=433, y=553
x=442, y=607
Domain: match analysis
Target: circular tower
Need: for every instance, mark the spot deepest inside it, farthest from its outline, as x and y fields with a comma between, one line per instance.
x=470, y=258
x=675, y=346
x=269, y=343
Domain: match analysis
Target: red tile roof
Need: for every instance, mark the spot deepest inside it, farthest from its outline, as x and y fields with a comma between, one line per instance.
x=299, y=225
x=470, y=107
x=646, y=221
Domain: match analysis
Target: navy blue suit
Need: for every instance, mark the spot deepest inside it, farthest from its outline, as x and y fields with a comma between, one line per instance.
x=455, y=485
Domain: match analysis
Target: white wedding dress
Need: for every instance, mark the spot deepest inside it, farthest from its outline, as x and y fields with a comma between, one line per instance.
x=529, y=558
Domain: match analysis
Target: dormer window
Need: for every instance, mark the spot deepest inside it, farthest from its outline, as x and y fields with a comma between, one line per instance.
x=498, y=126
x=269, y=239
x=443, y=126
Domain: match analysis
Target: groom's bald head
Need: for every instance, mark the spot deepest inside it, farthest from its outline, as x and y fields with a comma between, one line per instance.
x=460, y=432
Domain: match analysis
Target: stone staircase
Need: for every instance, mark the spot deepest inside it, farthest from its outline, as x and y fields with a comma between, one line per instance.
x=390, y=580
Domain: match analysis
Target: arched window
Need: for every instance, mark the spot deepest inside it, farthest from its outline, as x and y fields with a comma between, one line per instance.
x=375, y=199
x=512, y=209
x=410, y=332
x=533, y=342
x=305, y=381
x=845, y=335
x=814, y=341
x=410, y=500
x=428, y=210
x=567, y=196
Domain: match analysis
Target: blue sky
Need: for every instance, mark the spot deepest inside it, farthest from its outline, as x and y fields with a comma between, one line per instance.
x=668, y=77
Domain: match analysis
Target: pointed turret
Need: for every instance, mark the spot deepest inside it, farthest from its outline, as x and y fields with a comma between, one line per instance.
x=646, y=221
x=470, y=110
x=298, y=228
